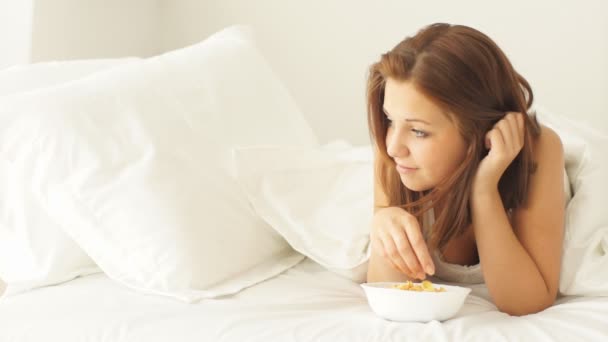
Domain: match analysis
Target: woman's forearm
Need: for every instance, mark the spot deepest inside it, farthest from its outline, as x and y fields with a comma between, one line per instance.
x=511, y=275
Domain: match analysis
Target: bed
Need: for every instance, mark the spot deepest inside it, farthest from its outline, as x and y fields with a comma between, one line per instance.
x=305, y=303
x=114, y=228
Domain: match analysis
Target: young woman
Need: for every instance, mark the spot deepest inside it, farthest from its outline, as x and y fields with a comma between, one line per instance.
x=468, y=185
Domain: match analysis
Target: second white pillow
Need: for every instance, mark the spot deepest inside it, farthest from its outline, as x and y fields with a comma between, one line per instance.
x=320, y=199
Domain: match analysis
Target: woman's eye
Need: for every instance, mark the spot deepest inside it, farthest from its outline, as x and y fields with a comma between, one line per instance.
x=419, y=134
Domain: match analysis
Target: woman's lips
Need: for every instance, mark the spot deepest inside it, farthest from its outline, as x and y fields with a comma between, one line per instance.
x=405, y=169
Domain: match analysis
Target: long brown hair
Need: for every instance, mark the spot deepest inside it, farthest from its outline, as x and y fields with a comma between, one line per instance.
x=465, y=73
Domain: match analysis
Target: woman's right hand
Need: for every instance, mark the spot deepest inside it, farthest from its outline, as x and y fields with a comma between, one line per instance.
x=397, y=238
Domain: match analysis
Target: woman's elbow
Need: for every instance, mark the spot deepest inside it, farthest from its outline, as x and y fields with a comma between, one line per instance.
x=527, y=307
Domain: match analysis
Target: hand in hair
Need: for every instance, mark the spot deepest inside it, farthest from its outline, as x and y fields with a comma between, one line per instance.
x=504, y=141
x=397, y=239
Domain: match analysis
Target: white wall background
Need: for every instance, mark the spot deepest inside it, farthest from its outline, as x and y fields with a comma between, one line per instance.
x=322, y=49
x=43, y=30
x=15, y=31
x=71, y=29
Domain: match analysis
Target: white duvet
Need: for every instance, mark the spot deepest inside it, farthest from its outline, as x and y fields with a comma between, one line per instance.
x=305, y=303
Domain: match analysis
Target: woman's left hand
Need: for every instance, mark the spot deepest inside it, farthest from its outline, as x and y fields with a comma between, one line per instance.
x=504, y=141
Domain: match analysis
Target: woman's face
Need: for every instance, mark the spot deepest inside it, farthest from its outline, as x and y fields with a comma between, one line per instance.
x=420, y=137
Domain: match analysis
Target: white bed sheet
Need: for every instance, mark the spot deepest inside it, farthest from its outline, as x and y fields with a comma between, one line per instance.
x=305, y=303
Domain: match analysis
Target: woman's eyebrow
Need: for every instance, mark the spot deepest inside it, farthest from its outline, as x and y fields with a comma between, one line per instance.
x=408, y=119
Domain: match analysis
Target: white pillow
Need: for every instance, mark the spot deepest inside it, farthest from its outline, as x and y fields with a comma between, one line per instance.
x=320, y=199
x=585, y=258
x=34, y=251
x=135, y=164
x=28, y=77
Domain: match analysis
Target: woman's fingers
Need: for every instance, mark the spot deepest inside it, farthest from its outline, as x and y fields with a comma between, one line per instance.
x=398, y=239
x=511, y=131
x=514, y=119
x=418, y=246
x=517, y=125
x=514, y=141
x=405, y=252
x=521, y=123
x=497, y=142
x=508, y=133
x=391, y=253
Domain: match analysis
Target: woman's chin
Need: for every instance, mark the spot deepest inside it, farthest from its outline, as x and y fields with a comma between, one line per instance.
x=412, y=186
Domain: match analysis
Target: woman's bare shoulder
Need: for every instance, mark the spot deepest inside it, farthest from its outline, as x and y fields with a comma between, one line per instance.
x=548, y=154
x=548, y=148
x=547, y=180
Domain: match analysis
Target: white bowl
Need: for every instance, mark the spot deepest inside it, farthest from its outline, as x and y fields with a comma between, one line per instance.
x=413, y=306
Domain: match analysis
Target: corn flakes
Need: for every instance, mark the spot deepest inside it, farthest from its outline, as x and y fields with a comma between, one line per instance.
x=425, y=286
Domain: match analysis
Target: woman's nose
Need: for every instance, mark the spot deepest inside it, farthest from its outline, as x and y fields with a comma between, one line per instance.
x=395, y=146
